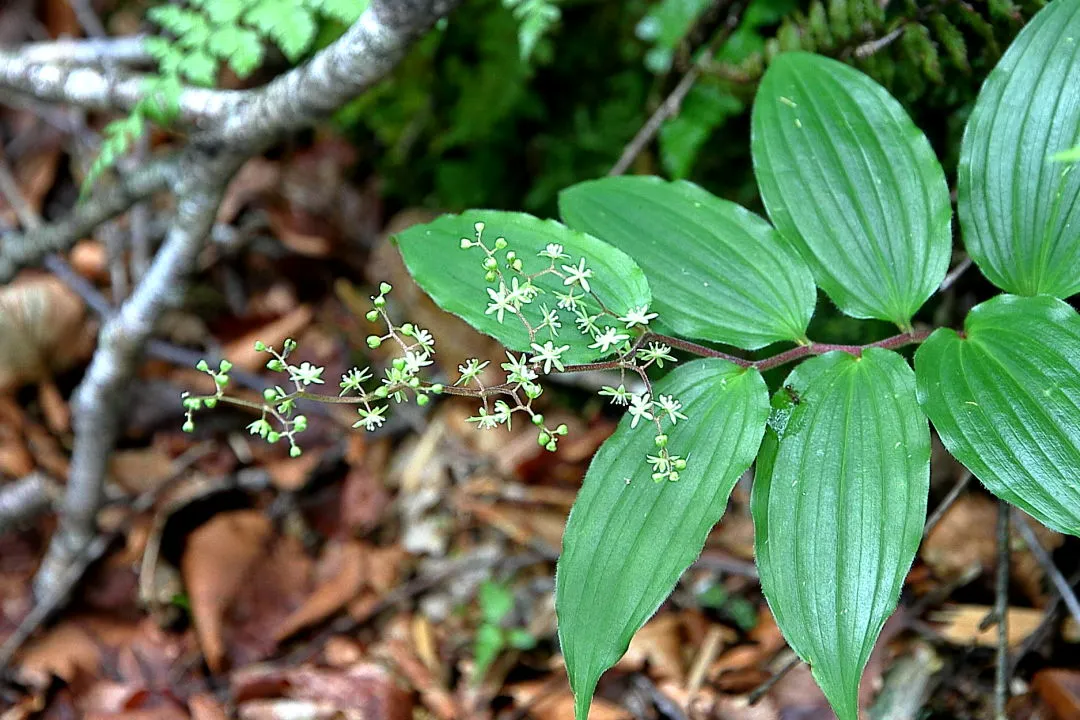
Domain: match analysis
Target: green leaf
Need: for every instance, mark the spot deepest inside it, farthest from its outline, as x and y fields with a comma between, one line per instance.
x=839, y=505
x=520, y=639
x=454, y=278
x=1018, y=208
x=628, y=539
x=225, y=12
x=848, y=178
x=706, y=108
x=496, y=601
x=344, y=11
x=1072, y=155
x=248, y=54
x=289, y=24
x=1004, y=399
x=488, y=644
x=665, y=26
x=200, y=68
x=719, y=272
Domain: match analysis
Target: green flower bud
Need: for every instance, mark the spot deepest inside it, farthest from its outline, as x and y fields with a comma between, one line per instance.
x=275, y=365
x=289, y=344
x=221, y=380
x=490, y=263
x=374, y=341
x=500, y=243
x=260, y=346
x=543, y=439
x=422, y=400
x=407, y=329
x=272, y=437
x=192, y=403
x=490, y=276
x=300, y=423
x=379, y=302
x=414, y=382
x=189, y=426
x=225, y=366
x=537, y=419
x=466, y=243
x=673, y=476
x=399, y=363
x=295, y=451
x=210, y=403
x=269, y=395
x=372, y=315
x=516, y=265
x=437, y=389
x=202, y=365
x=381, y=392
x=680, y=464
x=661, y=440
x=385, y=287
x=562, y=429
x=657, y=477
x=551, y=446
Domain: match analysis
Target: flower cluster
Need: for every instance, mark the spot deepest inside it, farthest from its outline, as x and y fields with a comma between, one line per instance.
x=513, y=294
x=610, y=333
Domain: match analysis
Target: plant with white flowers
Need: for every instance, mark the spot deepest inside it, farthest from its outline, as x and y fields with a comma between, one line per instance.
x=643, y=268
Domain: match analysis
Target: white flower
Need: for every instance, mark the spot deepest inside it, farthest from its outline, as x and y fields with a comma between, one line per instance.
x=424, y=339
x=484, y=421
x=306, y=374
x=550, y=321
x=671, y=406
x=637, y=316
x=518, y=370
x=609, y=337
x=500, y=302
x=640, y=406
x=587, y=323
x=578, y=275
x=371, y=418
x=660, y=463
x=353, y=379
x=554, y=251
x=415, y=361
x=549, y=355
x=470, y=370
x=522, y=295
x=503, y=413
x=619, y=395
x=656, y=352
x=568, y=300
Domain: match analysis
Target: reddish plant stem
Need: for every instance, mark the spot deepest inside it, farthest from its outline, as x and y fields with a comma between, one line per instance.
x=796, y=353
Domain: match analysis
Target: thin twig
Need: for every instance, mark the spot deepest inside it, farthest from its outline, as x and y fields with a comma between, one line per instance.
x=25, y=499
x=1001, y=611
x=955, y=273
x=1048, y=566
x=762, y=690
x=73, y=572
x=946, y=503
x=673, y=102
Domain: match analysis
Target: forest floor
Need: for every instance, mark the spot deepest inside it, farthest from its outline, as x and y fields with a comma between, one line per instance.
x=408, y=572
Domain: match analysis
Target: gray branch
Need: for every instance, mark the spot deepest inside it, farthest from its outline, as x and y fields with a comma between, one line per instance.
x=353, y=63
x=337, y=74
x=30, y=248
x=94, y=88
x=128, y=50
x=25, y=499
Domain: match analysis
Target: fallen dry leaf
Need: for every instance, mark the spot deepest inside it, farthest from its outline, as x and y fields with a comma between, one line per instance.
x=960, y=624
x=1060, y=690
x=342, y=567
x=217, y=559
x=363, y=691
x=547, y=701
x=241, y=351
x=660, y=645
x=43, y=330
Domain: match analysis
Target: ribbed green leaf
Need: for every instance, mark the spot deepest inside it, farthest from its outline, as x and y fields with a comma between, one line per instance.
x=1019, y=208
x=839, y=502
x=848, y=178
x=455, y=278
x=628, y=538
x=1005, y=399
x=719, y=272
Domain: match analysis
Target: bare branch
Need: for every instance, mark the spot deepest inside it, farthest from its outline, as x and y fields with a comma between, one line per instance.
x=128, y=50
x=23, y=500
x=98, y=400
x=23, y=250
x=352, y=64
x=93, y=88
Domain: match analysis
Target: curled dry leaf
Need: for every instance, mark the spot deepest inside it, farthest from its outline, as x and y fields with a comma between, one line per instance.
x=343, y=571
x=43, y=330
x=960, y=624
x=216, y=561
